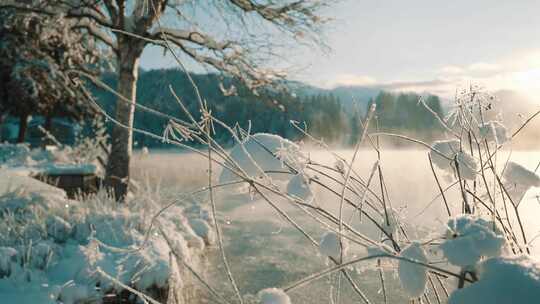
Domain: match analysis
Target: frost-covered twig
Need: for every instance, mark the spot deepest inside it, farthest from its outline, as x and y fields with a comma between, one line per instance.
x=439, y=186
x=216, y=225
x=343, y=265
x=145, y=298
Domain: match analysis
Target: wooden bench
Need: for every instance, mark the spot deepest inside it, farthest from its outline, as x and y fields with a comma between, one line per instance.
x=74, y=182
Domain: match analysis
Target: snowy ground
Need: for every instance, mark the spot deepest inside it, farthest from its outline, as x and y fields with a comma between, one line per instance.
x=57, y=250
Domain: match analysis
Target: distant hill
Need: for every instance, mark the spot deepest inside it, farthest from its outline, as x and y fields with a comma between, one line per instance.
x=332, y=114
x=269, y=111
x=356, y=96
x=352, y=98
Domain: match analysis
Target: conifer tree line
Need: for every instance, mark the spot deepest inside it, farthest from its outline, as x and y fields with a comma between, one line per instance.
x=321, y=112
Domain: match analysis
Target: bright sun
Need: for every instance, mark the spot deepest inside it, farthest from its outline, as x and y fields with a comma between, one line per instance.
x=528, y=81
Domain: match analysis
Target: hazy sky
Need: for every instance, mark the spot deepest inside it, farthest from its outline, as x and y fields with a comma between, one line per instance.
x=424, y=45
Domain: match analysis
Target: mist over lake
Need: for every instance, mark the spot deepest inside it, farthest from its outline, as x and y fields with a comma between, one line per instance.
x=265, y=250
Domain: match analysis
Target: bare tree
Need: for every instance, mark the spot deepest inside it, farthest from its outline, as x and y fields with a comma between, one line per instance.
x=237, y=46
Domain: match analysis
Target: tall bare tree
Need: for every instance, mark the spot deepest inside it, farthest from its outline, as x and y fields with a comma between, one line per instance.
x=235, y=42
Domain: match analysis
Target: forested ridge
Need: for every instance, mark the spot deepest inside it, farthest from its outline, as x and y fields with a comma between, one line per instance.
x=327, y=114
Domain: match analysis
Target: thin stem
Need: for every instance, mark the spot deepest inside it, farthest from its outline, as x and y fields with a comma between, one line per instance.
x=439, y=186
x=216, y=224
x=331, y=270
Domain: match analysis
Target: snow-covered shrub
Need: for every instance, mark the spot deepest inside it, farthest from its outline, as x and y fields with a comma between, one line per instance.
x=42, y=254
x=493, y=131
x=502, y=280
x=390, y=221
x=467, y=166
x=49, y=240
x=58, y=228
x=413, y=277
x=516, y=174
x=88, y=147
x=468, y=238
x=267, y=152
x=8, y=257
x=298, y=187
x=14, y=154
x=273, y=296
x=518, y=180
x=331, y=246
x=445, y=151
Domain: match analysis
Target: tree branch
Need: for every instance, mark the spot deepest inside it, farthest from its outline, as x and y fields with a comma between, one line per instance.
x=191, y=36
x=96, y=33
x=85, y=12
x=112, y=9
x=292, y=14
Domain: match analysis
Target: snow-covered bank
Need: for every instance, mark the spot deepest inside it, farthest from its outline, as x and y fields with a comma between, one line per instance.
x=21, y=159
x=57, y=250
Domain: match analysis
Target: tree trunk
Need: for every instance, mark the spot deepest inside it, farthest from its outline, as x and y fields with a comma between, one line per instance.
x=48, y=123
x=117, y=171
x=48, y=126
x=2, y=118
x=23, y=125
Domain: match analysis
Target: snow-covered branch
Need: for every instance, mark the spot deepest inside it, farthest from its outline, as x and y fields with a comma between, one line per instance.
x=293, y=14
x=96, y=33
x=196, y=37
x=86, y=12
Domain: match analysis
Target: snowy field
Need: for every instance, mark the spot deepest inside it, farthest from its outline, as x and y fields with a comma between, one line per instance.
x=265, y=251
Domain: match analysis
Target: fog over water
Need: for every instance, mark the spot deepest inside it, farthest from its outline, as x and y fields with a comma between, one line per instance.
x=407, y=173
x=266, y=251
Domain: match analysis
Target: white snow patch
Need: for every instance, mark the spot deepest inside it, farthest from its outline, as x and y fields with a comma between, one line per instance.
x=58, y=169
x=502, y=280
x=273, y=296
x=265, y=152
x=467, y=166
x=76, y=293
x=516, y=174
x=468, y=238
x=493, y=131
x=298, y=187
x=22, y=159
x=14, y=181
x=448, y=149
x=445, y=154
x=390, y=222
x=202, y=229
x=58, y=228
x=50, y=246
x=331, y=247
x=413, y=277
